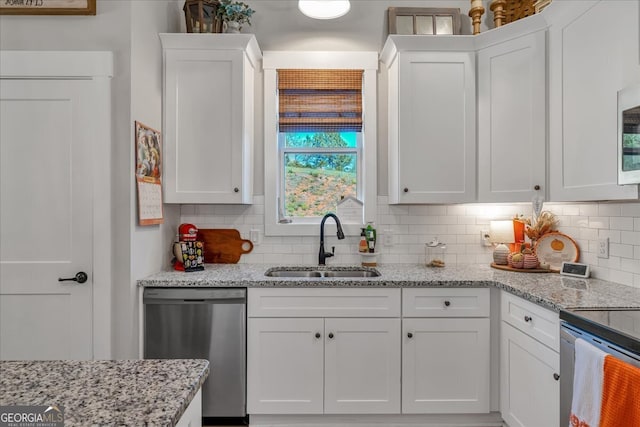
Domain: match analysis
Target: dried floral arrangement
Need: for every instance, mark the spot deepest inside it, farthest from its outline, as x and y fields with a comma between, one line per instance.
x=545, y=223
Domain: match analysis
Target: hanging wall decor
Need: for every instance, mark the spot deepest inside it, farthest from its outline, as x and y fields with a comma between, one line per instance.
x=48, y=7
x=148, y=175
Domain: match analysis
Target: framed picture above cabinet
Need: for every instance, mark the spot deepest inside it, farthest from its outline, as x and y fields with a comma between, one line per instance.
x=48, y=7
x=424, y=20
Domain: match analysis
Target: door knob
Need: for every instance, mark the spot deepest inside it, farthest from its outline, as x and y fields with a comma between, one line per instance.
x=556, y=377
x=80, y=277
x=317, y=334
x=330, y=335
x=447, y=303
x=409, y=335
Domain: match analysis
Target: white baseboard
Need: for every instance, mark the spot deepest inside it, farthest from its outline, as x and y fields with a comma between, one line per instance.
x=492, y=419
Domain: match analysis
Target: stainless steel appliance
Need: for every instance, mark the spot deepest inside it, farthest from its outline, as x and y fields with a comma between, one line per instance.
x=614, y=331
x=202, y=323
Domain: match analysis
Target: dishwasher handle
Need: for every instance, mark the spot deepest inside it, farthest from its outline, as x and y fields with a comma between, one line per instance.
x=194, y=296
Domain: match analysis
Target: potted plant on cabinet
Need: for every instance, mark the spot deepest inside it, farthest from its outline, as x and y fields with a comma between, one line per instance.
x=234, y=14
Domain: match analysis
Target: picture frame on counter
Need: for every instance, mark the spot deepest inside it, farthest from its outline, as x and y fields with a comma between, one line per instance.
x=424, y=21
x=48, y=7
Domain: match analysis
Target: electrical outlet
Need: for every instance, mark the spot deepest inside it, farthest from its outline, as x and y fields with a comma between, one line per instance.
x=255, y=237
x=603, y=247
x=485, y=238
x=388, y=237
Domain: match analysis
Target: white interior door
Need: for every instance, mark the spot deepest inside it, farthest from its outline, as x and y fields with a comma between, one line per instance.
x=46, y=225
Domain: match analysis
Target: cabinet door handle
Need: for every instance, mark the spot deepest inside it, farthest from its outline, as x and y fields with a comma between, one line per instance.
x=236, y=189
x=318, y=335
x=536, y=187
x=528, y=319
x=406, y=190
x=556, y=376
x=447, y=303
x=409, y=335
x=330, y=335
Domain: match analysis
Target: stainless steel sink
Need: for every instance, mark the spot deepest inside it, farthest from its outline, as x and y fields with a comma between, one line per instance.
x=351, y=273
x=348, y=272
x=293, y=273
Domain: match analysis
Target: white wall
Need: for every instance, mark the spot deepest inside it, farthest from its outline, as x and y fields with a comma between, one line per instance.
x=128, y=28
x=150, y=245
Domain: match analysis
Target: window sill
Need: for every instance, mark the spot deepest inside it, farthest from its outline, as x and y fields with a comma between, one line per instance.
x=293, y=229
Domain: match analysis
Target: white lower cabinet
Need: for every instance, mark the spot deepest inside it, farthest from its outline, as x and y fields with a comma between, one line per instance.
x=285, y=372
x=362, y=366
x=529, y=369
x=445, y=365
x=315, y=366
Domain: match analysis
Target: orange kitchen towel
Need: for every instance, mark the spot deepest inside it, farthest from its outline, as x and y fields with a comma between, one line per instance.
x=587, y=385
x=620, y=394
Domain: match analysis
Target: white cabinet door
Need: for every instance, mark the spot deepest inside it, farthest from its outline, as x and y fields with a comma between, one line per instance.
x=362, y=366
x=285, y=372
x=511, y=119
x=586, y=70
x=529, y=390
x=208, y=121
x=445, y=365
x=432, y=138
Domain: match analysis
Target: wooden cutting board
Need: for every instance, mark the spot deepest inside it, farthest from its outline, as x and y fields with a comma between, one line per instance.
x=223, y=245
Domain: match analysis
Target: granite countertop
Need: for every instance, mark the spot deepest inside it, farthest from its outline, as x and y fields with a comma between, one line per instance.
x=106, y=392
x=550, y=290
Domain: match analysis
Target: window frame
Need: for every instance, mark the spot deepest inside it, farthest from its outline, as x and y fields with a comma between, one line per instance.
x=273, y=160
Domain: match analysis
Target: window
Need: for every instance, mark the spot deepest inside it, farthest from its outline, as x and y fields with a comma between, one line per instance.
x=320, y=138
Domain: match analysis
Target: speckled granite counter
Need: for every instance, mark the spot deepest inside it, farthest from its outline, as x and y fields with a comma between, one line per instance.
x=124, y=393
x=547, y=289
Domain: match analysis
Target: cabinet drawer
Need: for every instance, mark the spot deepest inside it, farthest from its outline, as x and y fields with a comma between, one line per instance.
x=446, y=302
x=535, y=321
x=323, y=302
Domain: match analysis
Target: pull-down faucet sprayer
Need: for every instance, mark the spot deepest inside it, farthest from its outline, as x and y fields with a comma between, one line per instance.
x=324, y=255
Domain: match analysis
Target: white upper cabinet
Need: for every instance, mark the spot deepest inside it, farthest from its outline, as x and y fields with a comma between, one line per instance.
x=208, y=117
x=511, y=119
x=432, y=116
x=593, y=53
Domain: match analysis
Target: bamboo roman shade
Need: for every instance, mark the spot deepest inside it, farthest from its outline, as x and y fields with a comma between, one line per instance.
x=320, y=100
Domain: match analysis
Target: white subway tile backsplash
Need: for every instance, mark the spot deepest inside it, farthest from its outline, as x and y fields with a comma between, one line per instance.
x=609, y=209
x=458, y=226
x=598, y=222
x=621, y=223
x=623, y=251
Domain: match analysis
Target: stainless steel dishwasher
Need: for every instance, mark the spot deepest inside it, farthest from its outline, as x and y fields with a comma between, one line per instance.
x=202, y=323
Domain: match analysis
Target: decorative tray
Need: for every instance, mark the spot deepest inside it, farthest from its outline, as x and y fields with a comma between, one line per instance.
x=520, y=270
x=555, y=247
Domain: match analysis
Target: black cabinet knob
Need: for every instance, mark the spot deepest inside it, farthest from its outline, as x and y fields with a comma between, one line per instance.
x=80, y=277
x=536, y=187
x=528, y=319
x=406, y=190
x=410, y=335
x=317, y=334
x=556, y=376
x=236, y=189
x=330, y=335
x=447, y=303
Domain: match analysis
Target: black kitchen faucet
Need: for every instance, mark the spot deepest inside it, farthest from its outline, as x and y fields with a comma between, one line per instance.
x=324, y=255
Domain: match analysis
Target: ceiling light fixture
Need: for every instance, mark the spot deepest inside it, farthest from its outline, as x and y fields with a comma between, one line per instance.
x=324, y=9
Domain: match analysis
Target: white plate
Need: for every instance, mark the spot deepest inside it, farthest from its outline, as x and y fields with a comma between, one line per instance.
x=555, y=248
